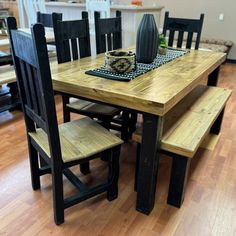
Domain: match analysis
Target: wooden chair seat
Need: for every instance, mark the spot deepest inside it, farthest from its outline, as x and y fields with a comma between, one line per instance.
x=79, y=139
x=93, y=109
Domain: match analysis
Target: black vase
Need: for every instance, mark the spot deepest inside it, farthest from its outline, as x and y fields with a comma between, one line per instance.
x=147, y=39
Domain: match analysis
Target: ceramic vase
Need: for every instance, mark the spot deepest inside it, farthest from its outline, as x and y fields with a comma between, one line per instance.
x=147, y=41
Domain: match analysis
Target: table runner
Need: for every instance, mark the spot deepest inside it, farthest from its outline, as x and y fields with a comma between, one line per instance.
x=141, y=67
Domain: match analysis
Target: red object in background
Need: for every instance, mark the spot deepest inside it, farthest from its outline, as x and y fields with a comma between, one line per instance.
x=137, y=3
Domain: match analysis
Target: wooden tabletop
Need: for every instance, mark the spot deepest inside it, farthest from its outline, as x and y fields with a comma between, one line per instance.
x=155, y=92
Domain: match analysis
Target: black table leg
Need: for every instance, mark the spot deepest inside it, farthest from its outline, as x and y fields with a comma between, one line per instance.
x=148, y=163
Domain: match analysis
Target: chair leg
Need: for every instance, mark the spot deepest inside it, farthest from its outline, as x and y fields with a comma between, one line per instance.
x=114, y=169
x=125, y=126
x=66, y=112
x=137, y=166
x=58, y=199
x=34, y=167
x=84, y=168
x=178, y=179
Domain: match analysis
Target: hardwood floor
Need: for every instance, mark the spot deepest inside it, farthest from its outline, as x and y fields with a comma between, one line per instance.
x=210, y=201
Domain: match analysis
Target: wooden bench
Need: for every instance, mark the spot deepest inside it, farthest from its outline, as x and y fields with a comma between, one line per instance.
x=185, y=127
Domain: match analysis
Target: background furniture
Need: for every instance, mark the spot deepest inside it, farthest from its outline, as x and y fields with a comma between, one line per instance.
x=64, y=146
x=102, y=6
x=182, y=26
x=131, y=17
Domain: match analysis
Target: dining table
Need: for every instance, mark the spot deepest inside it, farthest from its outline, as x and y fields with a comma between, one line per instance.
x=152, y=94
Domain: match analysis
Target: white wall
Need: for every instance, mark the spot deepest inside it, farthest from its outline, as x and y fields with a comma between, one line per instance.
x=212, y=27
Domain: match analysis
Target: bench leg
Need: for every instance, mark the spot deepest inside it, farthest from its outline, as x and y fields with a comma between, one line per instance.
x=215, y=128
x=213, y=77
x=178, y=179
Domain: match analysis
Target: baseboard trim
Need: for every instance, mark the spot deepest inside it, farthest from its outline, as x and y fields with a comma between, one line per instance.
x=232, y=61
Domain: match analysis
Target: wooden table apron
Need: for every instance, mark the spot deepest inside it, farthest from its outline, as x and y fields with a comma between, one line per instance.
x=151, y=94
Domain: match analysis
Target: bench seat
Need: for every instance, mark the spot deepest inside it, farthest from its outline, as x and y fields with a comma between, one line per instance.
x=185, y=127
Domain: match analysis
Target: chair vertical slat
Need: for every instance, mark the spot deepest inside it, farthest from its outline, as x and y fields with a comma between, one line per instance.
x=189, y=40
x=25, y=83
x=38, y=94
x=180, y=39
x=109, y=42
x=32, y=87
x=171, y=38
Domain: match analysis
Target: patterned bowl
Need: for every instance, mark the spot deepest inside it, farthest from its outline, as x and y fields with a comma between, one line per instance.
x=120, y=61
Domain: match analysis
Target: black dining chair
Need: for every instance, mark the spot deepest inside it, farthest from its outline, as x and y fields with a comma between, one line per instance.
x=108, y=34
x=46, y=18
x=73, y=42
x=182, y=29
x=61, y=146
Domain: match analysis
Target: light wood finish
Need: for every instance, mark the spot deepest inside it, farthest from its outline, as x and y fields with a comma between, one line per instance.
x=209, y=207
x=155, y=92
x=93, y=108
x=189, y=122
x=79, y=139
x=7, y=75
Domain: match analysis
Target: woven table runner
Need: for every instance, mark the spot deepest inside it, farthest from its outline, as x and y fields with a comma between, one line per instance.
x=141, y=67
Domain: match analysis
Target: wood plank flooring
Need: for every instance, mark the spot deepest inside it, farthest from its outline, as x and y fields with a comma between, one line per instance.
x=209, y=207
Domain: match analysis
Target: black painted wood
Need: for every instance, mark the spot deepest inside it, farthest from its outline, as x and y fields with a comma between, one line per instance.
x=46, y=19
x=108, y=32
x=35, y=86
x=178, y=27
x=72, y=38
x=148, y=163
x=147, y=40
x=216, y=127
x=178, y=179
x=213, y=77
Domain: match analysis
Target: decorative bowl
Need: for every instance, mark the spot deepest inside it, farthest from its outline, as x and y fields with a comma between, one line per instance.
x=120, y=61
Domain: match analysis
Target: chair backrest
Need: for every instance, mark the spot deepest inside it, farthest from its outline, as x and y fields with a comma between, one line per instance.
x=108, y=32
x=72, y=38
x=46, y=19
x=102, y=6
x=34, y=81
x=182, y=26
